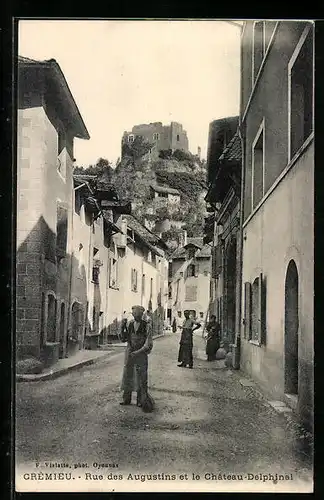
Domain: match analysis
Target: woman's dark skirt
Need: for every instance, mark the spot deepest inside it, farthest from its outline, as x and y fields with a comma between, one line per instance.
x=212, y=347
x=185, y=354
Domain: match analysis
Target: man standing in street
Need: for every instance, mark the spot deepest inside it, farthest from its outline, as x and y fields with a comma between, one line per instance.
x=139, y=344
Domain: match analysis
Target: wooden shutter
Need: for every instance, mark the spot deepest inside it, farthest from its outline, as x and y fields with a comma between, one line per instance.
x=247, y=310
x=262, y=309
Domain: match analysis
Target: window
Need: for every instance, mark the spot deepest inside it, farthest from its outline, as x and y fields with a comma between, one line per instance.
x=201, y=314
x=61, y=155
x=156, y=136
x=191, y=271
x=143, y=284
x=258, y=47
x=170, y=292
x=178, y=137
x=51, y=319
x=191, y=253
x=191, y=293
x=205, y=273
x=170, y=270
x=113, y=273
x=61, y=231
x=81, y=259
x=131, y=138
x=301, y=92
x=134, y=276
x=258, y=167
x=95, y=275
x=77, y=202
x=181, y=274
x=255, y=310
x=179, y=314
x=151, y=288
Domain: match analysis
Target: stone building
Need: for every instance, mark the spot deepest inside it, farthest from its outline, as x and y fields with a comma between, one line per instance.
x=48, y=121
x=189, y=280
x=82, y=259
x=138, y=275
x=277, y=126
x=162, y=137
x=222, y=228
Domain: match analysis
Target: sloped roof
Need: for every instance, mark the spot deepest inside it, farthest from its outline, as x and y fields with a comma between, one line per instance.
x=203, y=251
x=165, y=189
x=233, y=151
x=145, y=234
x=64, y=94
x=197, y=241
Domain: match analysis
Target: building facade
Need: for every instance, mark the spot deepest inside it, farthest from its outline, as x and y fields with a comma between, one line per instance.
x=222, y=226
x=189, y=278
x=138, y=266
x=82, y=259
x=277, y=64
x=162, y=137
x=45, y=135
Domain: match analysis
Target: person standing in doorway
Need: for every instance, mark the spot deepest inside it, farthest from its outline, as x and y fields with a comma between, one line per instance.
x=139, y=345
x=186, y=342
x=213, y=338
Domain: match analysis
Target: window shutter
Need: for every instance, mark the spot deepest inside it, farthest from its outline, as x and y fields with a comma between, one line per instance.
x=262, y=309
x=247, y=310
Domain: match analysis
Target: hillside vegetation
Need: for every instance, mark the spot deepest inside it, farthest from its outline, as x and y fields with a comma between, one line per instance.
x=136, y=171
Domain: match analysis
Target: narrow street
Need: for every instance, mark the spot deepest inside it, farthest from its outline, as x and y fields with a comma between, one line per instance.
x=205, y=422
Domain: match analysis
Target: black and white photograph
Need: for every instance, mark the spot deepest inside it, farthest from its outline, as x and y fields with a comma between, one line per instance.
x=164, y=255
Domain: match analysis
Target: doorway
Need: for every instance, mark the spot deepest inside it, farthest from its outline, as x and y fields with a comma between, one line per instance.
x=230, y=291
x=62, y=330
x=291, y=329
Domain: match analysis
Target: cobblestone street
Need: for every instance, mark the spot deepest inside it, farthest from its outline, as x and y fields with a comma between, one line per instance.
x=205, y=422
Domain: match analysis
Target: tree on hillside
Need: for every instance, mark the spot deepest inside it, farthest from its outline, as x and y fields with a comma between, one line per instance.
x=102, y=166
x=136, y=149
x=165, y=154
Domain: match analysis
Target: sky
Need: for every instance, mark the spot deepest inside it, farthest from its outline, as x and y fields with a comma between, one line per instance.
x=126, y=72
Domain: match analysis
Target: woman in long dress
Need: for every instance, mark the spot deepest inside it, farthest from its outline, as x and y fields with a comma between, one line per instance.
x=213, y=338
x=186, y=342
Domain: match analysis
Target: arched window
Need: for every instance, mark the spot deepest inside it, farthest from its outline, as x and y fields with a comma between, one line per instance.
x=191, y=270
